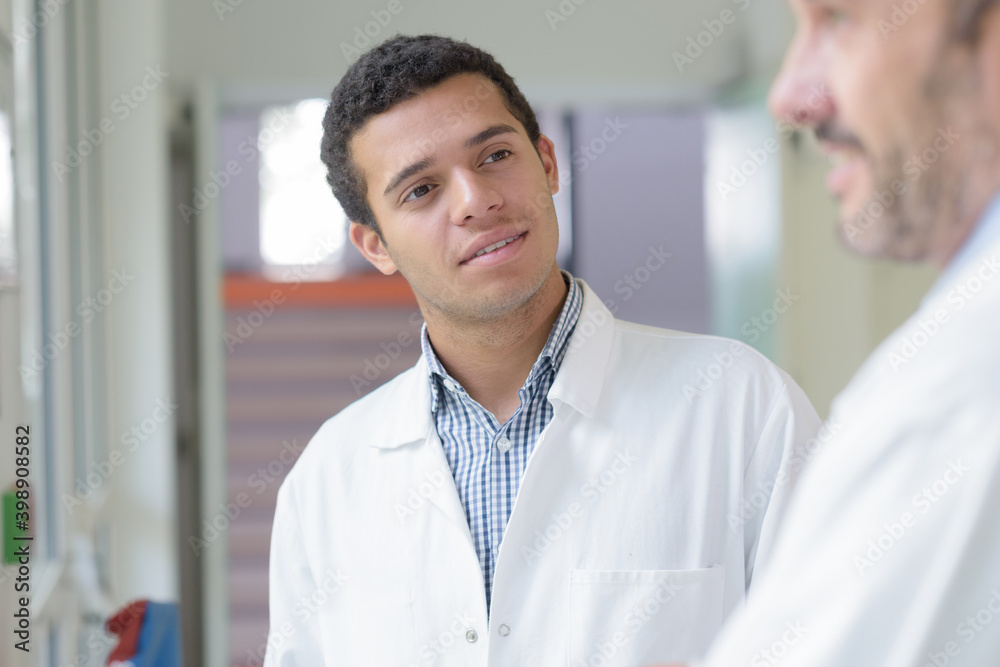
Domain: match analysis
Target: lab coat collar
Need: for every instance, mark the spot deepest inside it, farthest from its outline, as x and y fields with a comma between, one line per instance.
x=578, y=382
x=985, y=237
x=581, y=376
x=407, y=402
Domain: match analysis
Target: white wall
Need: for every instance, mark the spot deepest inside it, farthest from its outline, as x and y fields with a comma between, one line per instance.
x=135, y=204
x=604, y=51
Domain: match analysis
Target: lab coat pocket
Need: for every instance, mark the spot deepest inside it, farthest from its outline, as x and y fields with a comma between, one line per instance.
x=637, y=617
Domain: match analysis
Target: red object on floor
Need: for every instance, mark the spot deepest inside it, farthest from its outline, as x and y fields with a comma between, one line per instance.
x=126, y=624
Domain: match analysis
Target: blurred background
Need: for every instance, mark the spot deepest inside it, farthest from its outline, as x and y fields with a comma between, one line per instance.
x=180, y=310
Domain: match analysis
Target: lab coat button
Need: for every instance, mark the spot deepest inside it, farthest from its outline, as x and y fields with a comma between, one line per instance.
x=503, y=444
x=471, y=636
x=503, y=630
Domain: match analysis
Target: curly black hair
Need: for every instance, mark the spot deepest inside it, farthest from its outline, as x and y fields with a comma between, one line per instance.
x=394, y=71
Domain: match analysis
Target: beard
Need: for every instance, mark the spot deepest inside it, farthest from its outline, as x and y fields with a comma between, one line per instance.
x=926, y=184
x=461, y=306
x=915, y=194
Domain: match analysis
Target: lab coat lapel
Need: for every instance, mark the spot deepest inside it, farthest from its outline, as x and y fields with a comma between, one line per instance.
x=409, y=428
x=581, y=376
x=575, y=393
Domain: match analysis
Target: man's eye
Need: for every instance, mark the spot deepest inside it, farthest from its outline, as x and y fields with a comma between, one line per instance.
x=497, y=156
x=836, y=17
x=417, y=192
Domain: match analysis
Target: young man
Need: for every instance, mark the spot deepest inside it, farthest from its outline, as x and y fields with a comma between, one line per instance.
x=890, y=554
x=537, y=489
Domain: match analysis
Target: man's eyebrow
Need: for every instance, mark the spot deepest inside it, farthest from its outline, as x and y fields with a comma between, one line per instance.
x=471, y=142
x=488, y=134
x=406, y=172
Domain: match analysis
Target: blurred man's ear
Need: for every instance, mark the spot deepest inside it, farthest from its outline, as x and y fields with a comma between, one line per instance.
x=369, y=243
x=547, y=152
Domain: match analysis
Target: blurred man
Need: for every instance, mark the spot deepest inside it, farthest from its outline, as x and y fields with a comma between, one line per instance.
x=891, y=552
x=540, y=470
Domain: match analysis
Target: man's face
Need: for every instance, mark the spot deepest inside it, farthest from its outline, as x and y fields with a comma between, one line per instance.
x=896, y=102
x=449, y=174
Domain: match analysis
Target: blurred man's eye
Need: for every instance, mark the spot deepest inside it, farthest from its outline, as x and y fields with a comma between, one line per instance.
x=834, y=17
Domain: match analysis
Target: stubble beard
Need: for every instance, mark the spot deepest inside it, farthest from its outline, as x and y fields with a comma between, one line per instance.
x=940, y=196
x=499, y=315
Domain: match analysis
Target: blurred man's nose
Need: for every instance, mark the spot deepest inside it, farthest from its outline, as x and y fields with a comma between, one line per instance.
x=800, y=95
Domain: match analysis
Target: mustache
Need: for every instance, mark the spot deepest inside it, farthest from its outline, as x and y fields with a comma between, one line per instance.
x=835, y=134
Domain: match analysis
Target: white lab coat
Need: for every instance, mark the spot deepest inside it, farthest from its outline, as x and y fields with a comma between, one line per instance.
x=642, y=513
x=890, y=554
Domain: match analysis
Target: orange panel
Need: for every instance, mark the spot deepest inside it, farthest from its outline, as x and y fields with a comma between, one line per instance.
x=374, y=290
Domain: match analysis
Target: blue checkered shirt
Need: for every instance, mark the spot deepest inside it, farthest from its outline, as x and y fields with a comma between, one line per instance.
x=487, y=458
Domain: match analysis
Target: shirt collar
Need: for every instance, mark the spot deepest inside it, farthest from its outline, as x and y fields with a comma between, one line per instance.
x=985, y=235
x=551, y=355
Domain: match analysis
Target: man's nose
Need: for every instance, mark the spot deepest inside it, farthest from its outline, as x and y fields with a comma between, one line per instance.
x=800, y=95
x=473, y=196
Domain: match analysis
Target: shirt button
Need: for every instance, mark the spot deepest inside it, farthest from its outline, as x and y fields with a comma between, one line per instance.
x=503, y=630
x=471, y=636
x=503, y=444
x=451, y=386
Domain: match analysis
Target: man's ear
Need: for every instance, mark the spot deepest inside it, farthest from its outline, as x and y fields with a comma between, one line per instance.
x=547, y=151
x=370, y=244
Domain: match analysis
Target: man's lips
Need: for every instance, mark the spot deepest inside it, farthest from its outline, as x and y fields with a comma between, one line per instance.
x=492, y=246
x=846, y=162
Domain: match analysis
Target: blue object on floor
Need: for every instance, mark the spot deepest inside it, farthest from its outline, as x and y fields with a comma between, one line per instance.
x=160, y=637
